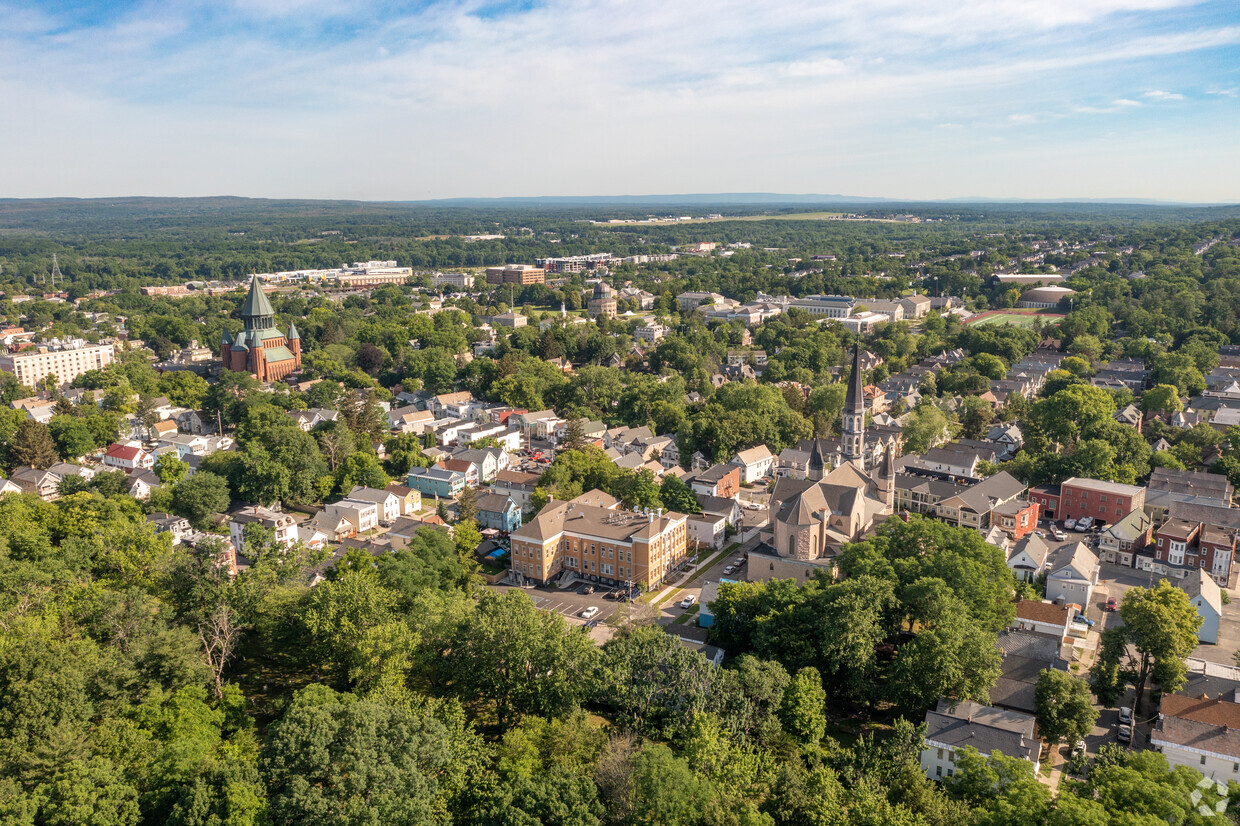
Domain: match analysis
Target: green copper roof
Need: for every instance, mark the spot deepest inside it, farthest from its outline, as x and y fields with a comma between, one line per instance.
x=277, y=354
x=256, y=304
x=292, y=332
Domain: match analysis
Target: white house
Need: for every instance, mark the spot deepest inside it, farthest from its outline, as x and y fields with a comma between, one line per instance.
x=387, y=501
x=955, y=725
x=1205, y=595
x=1028, y=557
x=755, y=463
x=127, y=458
x=362, y=515
x=280, y=524
x=1073, y=574
x=707, y=530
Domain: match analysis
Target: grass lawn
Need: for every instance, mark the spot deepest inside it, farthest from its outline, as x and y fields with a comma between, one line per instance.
x=684, y=618
x=1020, y=318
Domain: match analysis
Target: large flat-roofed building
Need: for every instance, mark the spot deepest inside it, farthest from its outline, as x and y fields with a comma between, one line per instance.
x=516, y=274
x=65, y=358
x=593, y=538
x=1106, y=502
x=831, y=306
x=460, y=280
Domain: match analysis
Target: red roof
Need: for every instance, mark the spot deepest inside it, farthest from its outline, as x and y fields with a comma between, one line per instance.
x=130, y=454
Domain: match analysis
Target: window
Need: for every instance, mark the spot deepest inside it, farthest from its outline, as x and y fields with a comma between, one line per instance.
x=1203, y=759
x=938, y=770
x=940, y=755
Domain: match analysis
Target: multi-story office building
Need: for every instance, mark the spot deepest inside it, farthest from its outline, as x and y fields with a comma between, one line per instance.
x=516, y=274
x=592, y=537
x=65, y=358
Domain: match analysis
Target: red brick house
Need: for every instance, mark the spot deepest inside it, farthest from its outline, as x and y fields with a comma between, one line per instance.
x=1183, y=546
x=721, y=480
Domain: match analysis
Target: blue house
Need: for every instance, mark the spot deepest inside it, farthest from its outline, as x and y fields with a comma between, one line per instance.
x=498, y=511
x=436, y=481
x=1205, y=595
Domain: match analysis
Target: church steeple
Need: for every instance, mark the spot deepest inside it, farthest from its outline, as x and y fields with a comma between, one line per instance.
x=256, y=311
x=854, y=411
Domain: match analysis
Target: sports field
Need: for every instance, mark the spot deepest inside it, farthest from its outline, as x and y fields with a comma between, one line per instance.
x=1021, y=318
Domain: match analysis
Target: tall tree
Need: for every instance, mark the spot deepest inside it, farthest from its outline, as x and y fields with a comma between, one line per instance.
x=1063, y=707
x=32, y=446
x=1159, y=632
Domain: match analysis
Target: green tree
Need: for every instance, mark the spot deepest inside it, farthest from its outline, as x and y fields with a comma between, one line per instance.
x=1162, y=398
x=73, y=437
x=803, y=711
x=1063, y=707
x=677, y=496
x=336, y=760
x=522, y=660
x=1158, y=634
x=200, y=496
x=32, y=446
x=925, y=427
x=170, y=469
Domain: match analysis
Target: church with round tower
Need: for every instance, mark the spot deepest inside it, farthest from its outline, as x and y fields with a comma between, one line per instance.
x=260, y=349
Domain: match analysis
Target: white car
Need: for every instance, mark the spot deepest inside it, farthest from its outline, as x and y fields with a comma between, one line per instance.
x=728, y=570
x=589, y=612
x=1059, y=535
x=1069, y=524
x=1125, y=715
x=1085, y=523
x=688, y=601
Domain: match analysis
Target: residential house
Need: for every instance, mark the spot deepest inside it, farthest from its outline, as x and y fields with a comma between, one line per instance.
x=1007, y=438
x=974, y=506
x=409, y=500
x=162, y=430
x=1205, y=595
x=436, y=481
x=1131, y=416
x=7, y=486
x=1201, y=733
x=281, y=525
x=488, y=460
x=516, y=484
x=1121, y=542
x=141, y=483
x=1016, y=516
x=361, y=514
x=726, y=507
x=956, y=724
x=389, y=503
x=1073, y=574
x=307, y=420
x=1026, y=654
x=324, y=528
x=177, y=526
x=755, y=463
x=1058, y=621
x=42, y=483
x=720, y=480
x=1028, y=557
x=410, y=419
x=1183, y=546
x=498, y=511
x=707, y=530
x=127, y=458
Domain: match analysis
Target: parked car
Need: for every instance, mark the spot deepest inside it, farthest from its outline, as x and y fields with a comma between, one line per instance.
x=589, y=589
x=1078, y=747
x=728, y=570
x=1125, y=733
x=1112, y=604
x=1069, y=524
x=589, y=612
x=1059, y=535
x=1084, y=620
x=738, y=562
x=1085, y=523
x=688, y=601
x=1125, y=716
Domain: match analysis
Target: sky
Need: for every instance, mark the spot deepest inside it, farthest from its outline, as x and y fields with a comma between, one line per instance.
x=353, y=99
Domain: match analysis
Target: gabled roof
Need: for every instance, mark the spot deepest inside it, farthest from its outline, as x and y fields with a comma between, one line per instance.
x=963, y=723
x=1074, y=562
x=125, y=452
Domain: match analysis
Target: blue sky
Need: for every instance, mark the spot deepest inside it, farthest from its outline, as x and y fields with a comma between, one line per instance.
x=390, y=100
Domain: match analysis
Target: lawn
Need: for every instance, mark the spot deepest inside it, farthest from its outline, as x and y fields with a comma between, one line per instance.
x=1021, y=318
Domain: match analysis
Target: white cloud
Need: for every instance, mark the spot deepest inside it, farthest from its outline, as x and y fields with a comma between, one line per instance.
x=1159, y=94
x=1125, y=102
x=1231, y=93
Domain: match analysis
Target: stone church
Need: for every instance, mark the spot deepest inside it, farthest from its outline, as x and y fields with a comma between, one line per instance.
x=813, y=517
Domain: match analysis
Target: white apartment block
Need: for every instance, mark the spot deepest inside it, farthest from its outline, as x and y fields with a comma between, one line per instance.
x=66, y=359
